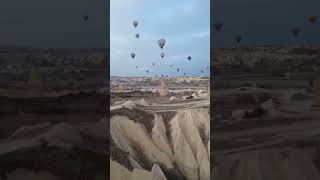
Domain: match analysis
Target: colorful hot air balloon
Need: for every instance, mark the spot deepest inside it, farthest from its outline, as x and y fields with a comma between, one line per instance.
x=218, y=26
x=189, y=58
x=162, y=55
x=137, y=35
x=295, y=32
x=135, y=23
x=133, y=55
x=312, y=19
x=161, y=42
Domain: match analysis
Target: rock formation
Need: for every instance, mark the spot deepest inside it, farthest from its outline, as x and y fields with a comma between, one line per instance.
x=120, y=87
x=118, y=172
x=288, y=163
x=132, y=137
x=179, y=145
x=164, y=90
x=190, y=129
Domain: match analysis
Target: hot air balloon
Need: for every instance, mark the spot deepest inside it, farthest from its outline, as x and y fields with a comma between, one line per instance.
x=218, y=26
x=133, y=55
x=162, y=55
x=238, y=38
x=135, y=23
x=136, y=67
x=153, y=64
x=161, y=75
x=161, y=42
x=312, y=19
x=202, y=71
x=184, y=74
x=189, y=58
x=178, y=69
x=137, y=35
x=170, y=65
x=207, y=67
x=85, y=17
x=295, y=32
x=147, y=71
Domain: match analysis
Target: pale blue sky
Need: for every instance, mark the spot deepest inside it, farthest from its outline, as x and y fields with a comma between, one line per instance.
x=184, y=24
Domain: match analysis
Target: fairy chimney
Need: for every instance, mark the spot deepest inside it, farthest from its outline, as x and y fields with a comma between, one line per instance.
x=164, y=91
x=120, y=87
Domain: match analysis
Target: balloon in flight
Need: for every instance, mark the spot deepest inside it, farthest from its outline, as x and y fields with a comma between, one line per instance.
x=218, y=26
x=161, y=42
x=135, y=23
x=238, y=38
x=295, y=32
x=85, y=17
x=133, y=55
x=312, y=19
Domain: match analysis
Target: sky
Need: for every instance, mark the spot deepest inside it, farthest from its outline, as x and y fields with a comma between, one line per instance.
x=54, y=23
x=262, y=22
x=184, y=24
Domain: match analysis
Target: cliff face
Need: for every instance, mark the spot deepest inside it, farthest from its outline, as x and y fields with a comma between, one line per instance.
x=52, y=123
x=177, y=142
x=118, y=172
x=265, y=108
x=288, y=163
x=265, y=60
